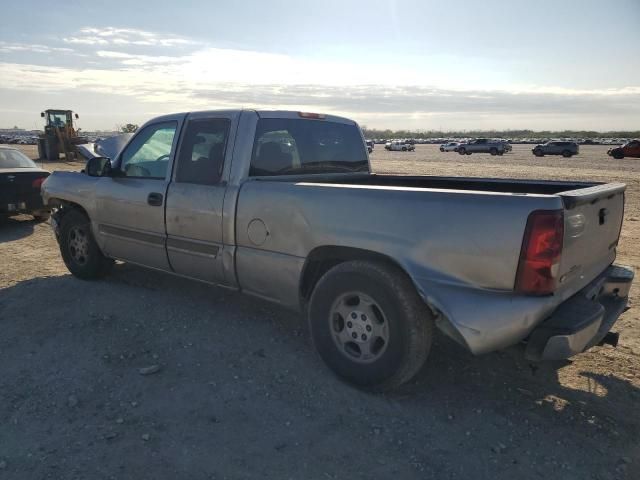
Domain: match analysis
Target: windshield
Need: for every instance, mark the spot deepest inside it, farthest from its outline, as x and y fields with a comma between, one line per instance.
x=57, y=119
x=14, y=159
x=294, y=146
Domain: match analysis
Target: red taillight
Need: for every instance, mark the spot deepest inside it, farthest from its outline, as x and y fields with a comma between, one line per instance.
x=317, y=116
x=540, y=254
x=37, y=183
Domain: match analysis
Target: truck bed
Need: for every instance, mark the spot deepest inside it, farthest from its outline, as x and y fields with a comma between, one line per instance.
x=539, y=187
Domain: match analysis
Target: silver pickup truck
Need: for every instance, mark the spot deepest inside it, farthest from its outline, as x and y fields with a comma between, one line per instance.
x=283, y=206
x=483, y=145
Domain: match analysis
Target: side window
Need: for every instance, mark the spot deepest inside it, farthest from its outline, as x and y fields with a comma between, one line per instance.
x=148, y=154
x=202, y=151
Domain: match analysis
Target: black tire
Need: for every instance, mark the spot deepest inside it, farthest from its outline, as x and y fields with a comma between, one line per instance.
x=51, y=149
x=442, y=149
x=618, y=156
x=90, y=263
x=408, y=321
x=538, y=153
x=404, y=149
x=42, y=153
x=566, y=154
x=493, y=151
x=462, y=150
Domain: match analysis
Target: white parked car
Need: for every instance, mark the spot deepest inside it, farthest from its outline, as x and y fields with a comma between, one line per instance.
x=397, y=146
x=449, y=147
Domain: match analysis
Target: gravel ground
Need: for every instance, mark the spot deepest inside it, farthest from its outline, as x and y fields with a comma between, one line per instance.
x=144, y=375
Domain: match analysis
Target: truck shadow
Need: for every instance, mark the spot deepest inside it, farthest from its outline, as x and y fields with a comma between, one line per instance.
x=15, y=228
x=137, y=310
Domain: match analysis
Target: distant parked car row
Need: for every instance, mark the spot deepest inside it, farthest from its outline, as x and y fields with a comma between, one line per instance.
x=500, y=146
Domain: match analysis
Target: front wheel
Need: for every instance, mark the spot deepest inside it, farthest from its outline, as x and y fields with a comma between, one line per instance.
x=566, y=154
x=618, y=156
x=493, y=151
x=79, y=250
x=462, y=151
x=369, y=325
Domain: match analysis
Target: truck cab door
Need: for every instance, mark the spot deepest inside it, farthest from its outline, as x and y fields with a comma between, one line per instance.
x=195, y=197
x=130, y=205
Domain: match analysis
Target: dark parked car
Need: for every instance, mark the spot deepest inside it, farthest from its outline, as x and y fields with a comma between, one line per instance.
x=566, y=149
x=629, y=149
x=370, y=146
x=20, y=182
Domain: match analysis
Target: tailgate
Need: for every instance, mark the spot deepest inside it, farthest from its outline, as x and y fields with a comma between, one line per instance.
x=592, y=223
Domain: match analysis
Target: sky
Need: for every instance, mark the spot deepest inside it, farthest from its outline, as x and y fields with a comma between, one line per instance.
x=399, y=64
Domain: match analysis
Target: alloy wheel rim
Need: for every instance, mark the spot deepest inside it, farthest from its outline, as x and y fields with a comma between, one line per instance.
x=359, y=327
x=78, y=245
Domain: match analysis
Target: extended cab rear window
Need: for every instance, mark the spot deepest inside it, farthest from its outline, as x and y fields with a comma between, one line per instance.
x=288, y=146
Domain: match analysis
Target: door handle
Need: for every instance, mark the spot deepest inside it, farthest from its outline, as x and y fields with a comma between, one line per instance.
x=155, y=199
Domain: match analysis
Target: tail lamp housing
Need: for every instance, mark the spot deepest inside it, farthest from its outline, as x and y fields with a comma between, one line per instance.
x=541, y=251
x=37, y=183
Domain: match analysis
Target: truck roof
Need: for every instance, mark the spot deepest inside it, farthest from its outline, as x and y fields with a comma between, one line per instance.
x=266, y=114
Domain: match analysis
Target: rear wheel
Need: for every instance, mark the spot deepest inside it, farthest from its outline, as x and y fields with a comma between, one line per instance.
x=462, y=151
x=493, y=151
x=42, y=152
x=79, y=250
x=566, y=153
x=369, y=325
x=51, y=149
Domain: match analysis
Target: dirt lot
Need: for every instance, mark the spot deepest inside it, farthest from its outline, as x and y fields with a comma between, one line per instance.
x=240, y=394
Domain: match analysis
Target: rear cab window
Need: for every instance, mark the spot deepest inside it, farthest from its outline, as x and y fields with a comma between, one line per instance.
x=289, y=146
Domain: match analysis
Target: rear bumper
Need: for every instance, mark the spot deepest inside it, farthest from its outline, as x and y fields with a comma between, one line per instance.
x=583, y=320
x=20, y=203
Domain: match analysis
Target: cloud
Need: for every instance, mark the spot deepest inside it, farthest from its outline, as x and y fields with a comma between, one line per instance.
x=191, y=75
x=11, y=47
x=183, y=82
x=125, y=37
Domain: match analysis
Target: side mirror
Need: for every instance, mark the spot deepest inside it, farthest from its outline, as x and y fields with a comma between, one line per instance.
x=42, y=114
x=99, y=167
x=77, y=116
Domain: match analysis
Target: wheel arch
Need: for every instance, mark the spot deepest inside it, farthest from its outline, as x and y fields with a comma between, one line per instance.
x=64, y=206
x=321, y=259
